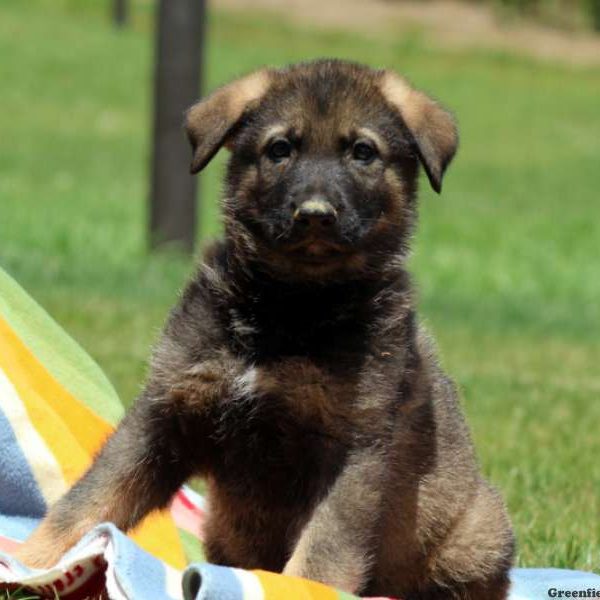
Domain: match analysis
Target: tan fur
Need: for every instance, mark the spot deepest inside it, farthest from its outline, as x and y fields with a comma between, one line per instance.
x=44, y=548
x=208, y=122
x=47, y=544
x=433, y=127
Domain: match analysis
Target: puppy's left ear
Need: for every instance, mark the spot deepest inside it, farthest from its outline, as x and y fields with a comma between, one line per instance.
x=210, y=122
x=432, y=127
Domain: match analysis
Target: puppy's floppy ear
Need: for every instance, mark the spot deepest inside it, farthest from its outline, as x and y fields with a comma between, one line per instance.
x=431, y=126
x=209, y=123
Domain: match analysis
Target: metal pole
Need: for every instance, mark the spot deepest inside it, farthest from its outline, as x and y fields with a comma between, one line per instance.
x=120, y=12
x=179, y=53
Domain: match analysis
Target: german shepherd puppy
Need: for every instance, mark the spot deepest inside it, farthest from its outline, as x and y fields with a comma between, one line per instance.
x=293, y=375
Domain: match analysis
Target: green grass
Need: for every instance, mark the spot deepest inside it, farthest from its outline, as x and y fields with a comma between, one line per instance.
x=507, y=260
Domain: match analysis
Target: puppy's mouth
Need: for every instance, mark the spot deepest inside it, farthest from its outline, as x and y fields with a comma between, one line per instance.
x=316, y=250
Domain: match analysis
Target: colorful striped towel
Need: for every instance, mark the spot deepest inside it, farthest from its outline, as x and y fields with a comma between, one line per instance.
x=56, y=408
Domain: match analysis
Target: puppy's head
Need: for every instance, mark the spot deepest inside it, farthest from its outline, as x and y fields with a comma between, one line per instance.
x=323, y=172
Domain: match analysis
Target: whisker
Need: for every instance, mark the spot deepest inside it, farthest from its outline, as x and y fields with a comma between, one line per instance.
x=283, y=233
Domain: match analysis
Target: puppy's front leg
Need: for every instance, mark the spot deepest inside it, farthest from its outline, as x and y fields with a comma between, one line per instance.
x=137, y=471
x=336, y=546
x=162, y=441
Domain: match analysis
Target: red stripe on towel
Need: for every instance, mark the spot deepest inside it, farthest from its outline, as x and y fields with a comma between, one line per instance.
x=7, y=545
x=187, y=515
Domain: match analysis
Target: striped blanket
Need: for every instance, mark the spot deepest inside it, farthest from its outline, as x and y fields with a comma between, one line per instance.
x=56, y=409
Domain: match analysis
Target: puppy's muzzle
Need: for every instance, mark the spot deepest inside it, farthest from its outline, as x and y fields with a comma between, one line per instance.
x=315, y=215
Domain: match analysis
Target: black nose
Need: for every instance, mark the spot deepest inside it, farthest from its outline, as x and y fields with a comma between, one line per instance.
x=315, y=213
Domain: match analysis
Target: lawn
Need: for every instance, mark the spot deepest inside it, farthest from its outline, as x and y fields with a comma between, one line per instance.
x=506, y=260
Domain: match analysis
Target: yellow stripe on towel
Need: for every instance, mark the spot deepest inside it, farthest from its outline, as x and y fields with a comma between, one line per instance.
x=43, y=465
x=70, y=430
x=293, y=588
x=158, y=536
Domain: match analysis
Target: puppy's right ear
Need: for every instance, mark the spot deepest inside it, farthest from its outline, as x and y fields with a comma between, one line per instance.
x=210, y=122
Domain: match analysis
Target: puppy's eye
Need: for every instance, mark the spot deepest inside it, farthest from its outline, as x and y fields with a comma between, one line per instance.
x=279, y=149
x=363, y=152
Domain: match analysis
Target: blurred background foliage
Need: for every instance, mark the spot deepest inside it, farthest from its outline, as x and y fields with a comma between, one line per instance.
x=571, y=14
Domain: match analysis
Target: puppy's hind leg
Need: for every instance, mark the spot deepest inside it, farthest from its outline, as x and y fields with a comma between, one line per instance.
x=493, y=589
x=474, y=560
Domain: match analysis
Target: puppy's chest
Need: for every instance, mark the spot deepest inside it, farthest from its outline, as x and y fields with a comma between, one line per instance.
x=291, y=416
x=288, y=423
x=294, y=396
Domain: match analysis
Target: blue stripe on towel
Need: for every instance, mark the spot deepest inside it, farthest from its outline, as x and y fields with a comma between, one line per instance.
x=20, y=492
x=139, y=574
x=17, y=528
x=537, y=584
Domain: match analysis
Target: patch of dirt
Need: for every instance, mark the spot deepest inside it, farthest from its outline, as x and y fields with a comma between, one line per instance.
x=445, y=23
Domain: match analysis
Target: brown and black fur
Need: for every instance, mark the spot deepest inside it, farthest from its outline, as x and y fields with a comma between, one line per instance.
x=293, y=374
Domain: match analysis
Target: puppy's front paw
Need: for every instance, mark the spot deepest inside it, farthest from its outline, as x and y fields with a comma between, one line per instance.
x=324, y=570
x=47, y=544
x=40, y=552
